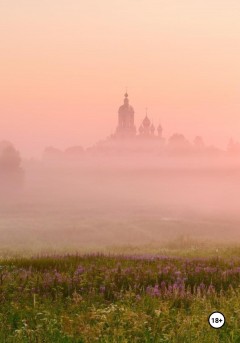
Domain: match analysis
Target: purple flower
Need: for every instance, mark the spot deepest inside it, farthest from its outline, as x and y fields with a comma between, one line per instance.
x=80, y=270
x=102, y=289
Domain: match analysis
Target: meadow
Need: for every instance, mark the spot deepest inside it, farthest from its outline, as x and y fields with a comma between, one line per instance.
x=120, y=256
x=121, y=297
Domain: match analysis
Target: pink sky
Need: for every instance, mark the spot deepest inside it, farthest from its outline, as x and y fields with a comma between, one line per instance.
x=64, y=65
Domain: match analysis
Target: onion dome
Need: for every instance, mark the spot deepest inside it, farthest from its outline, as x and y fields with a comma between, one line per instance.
x=146, y=122
x=126, y=100
x=126, y=105
x=152, y=128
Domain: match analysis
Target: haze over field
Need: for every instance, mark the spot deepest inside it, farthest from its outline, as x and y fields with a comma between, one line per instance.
x=87, y=206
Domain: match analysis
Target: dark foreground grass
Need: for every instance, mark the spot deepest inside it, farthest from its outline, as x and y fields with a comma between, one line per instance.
x=100, y=298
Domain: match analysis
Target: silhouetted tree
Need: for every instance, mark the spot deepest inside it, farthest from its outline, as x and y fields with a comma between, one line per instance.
x=11, y=173
x=74, y=151
x=178, y=143
x=199, y=143
x=10, y=160
x=52, y=154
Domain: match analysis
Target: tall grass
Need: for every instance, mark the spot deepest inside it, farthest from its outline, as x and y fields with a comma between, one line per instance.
x=119, y=298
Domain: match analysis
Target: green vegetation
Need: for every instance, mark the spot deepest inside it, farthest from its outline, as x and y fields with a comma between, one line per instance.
x=119, y=298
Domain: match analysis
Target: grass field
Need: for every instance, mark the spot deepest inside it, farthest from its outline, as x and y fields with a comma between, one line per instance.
x=121, y=297
x=166, y=258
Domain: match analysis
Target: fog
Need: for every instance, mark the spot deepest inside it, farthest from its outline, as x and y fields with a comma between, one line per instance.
x=101, y=202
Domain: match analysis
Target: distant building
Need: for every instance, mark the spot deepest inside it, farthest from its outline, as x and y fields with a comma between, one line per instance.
x=126, y=139
x=126, y=124
x=147, y=129
x=147, y=139
x=126, y=127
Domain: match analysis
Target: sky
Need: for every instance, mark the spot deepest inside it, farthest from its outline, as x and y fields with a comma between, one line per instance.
x=65, y=65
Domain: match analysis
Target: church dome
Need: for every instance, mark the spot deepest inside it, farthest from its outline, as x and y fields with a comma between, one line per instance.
x=146, y=122
x=126, y=107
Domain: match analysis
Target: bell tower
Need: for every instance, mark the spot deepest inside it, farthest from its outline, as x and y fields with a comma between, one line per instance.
x=126, y=127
